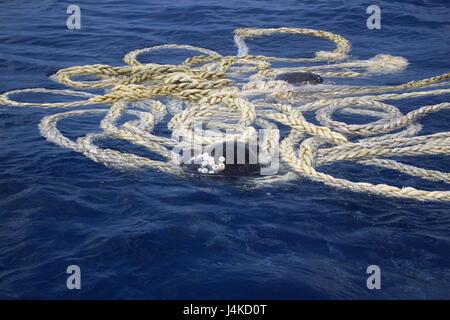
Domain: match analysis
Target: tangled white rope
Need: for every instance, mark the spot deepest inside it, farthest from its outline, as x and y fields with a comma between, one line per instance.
x=241, y=93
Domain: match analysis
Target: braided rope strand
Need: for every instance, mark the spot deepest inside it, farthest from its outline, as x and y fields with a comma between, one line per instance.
x=239, y=94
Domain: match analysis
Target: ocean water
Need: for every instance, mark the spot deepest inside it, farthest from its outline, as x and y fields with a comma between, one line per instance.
x=149, y=235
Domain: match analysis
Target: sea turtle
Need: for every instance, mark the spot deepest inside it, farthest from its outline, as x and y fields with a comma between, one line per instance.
x=300, y=78
x=232, y=158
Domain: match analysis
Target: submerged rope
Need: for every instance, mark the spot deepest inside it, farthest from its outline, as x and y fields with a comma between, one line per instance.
x=241, y=93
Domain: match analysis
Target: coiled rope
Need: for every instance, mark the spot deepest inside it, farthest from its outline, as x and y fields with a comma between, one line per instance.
x=240, y=93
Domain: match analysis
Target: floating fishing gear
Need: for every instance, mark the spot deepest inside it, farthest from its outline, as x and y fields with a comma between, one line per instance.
x=232, y=97
x=208, y=163
x=230, y=158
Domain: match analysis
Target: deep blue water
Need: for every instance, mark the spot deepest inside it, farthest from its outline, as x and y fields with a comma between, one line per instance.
x=149, y=235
